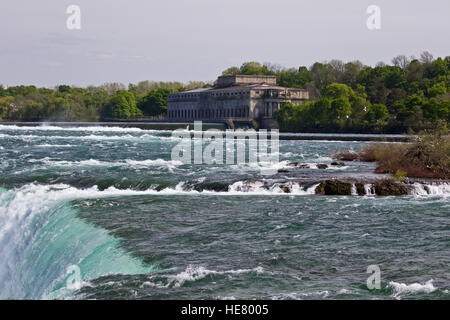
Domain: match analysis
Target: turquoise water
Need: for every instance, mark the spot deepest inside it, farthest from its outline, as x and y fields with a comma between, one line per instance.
x=111, y=203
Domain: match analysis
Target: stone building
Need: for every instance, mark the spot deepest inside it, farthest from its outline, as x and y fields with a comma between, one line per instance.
x=238, y=97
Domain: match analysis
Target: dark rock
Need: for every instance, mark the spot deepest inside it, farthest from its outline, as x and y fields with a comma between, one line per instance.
x=249, y=185
x=360, y=189
x=285, y=188
x=212, y=186
x=339, y=164
x=251, y=181
x=334, y=187
x=390, y=188
x=283, y=170
x=300, y=165
x=322, y=166
x=346, y=155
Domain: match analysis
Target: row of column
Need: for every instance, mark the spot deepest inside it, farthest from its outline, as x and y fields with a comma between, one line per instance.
x=208, y=113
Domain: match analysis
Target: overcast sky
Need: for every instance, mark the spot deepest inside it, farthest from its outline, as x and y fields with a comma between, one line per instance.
x=133, y=40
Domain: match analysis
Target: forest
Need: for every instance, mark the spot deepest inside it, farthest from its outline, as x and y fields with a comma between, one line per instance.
x=94, y=103
x=410, y=94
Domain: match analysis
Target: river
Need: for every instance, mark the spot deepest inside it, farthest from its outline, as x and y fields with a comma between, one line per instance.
x=110, y=208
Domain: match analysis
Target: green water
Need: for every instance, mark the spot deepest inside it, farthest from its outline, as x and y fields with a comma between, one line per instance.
x=138, y=225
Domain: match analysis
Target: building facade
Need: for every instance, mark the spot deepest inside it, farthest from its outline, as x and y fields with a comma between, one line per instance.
x=239, y=97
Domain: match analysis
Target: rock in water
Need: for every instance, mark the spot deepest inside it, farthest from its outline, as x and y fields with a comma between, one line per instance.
x=390, y=187
x=334, y=187
x=322, y=166
x=360, y=189
x=285, y=188
x=300, y=165
x=212, y=186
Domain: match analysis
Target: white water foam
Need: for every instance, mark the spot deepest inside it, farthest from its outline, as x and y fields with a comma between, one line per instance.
x=257, y=188
x=32, y=198
x=40, y=233
x=260, y=165
x=369, y=189
x=82, y=129
x=314, y=165
x=402, y=288
x=354, y=192
x=420, y=189
x=94, y=137
x=299, y=295
x=194, y=273
x=46, y=145
x=171, y=164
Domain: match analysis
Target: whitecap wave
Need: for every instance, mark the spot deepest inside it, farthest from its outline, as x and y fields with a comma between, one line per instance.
x=82, y=129
x=140, y=138
x=441, y=189
x=257, y=187
x=46, y=145
x=170, y=164
x=193, y=273
x=402, y=288
x=300, y=295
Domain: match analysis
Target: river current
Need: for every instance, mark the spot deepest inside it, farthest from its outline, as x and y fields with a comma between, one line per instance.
x=105, y=213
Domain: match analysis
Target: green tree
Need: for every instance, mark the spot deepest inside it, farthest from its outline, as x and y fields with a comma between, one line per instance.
x=122, y=106
x=155, y=102
x=254, y=68
x=377, y=113
x=322, y=75
x=414, y=71
x=438, y=89
x=231, y=71
x=5, y=107
x=294, y=78
x=63, y=88
x=351, y=73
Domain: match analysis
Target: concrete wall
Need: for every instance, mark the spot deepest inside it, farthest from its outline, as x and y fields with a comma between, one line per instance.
x=227, y=81
x=213, y=104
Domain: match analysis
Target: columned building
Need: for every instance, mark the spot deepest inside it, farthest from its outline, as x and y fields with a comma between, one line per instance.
x=239, y=97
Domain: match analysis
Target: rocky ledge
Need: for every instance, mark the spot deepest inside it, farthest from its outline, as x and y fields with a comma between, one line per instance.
x=335, y=186
x=385, y=187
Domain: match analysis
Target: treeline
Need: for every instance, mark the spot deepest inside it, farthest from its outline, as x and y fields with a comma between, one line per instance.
x=410, y=94
x=94, y=103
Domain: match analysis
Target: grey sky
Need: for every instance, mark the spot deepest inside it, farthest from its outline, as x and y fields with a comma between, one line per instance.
x=133, y=40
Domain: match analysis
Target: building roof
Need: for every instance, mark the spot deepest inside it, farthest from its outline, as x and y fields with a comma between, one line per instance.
x=195, y=90
x=238, y=82
x=233, y=80
x=237, y=87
